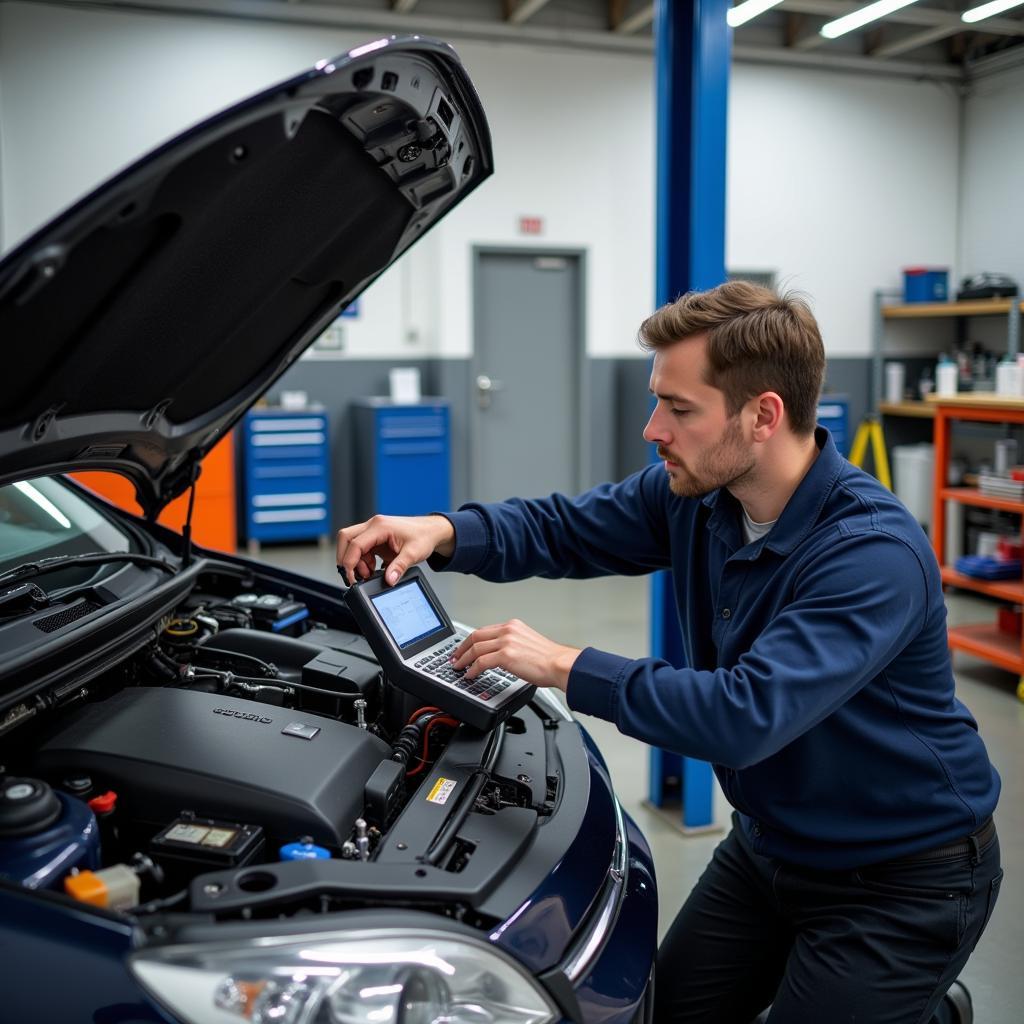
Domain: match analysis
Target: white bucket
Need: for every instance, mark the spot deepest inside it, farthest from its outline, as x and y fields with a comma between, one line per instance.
x=913, y=473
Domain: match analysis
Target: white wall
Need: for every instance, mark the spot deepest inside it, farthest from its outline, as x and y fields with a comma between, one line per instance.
x=992, y=207
x=835, y=182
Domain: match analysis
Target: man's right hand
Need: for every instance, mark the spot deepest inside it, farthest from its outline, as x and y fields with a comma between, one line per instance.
x=400, y=541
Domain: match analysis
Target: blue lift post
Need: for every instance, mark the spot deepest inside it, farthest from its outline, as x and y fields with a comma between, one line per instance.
x=693, y=46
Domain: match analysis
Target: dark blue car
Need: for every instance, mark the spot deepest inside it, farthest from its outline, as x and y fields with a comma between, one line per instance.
x=215, y=805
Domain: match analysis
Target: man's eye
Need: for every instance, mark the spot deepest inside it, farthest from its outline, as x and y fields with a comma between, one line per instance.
x=680, y=412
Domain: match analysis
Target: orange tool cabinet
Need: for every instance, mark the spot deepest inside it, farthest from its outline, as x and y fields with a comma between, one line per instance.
x=214, y=515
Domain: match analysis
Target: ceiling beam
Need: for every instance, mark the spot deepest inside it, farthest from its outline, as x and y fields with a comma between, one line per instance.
x=636, y=21
x=810, y=42
x=845, y=62
x=523, y=10
x=616, y=12
x=916, y=39
x=982, y=67
x=794, y=28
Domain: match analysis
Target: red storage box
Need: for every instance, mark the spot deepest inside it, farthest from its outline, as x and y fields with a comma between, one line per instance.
x=1008, y=550
x=1010, y=619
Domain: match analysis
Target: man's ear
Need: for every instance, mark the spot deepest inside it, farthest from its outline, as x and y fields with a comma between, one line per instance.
x=768, y=409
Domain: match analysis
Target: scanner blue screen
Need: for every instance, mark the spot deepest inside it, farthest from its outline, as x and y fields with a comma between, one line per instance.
x=407, y=613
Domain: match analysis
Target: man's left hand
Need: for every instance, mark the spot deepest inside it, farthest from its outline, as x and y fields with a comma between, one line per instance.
x=518, y=649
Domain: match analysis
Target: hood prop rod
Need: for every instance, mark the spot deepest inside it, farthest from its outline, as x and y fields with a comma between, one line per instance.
x=186, y=531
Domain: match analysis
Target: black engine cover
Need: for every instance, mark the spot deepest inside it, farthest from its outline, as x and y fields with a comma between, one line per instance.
x=166, y=750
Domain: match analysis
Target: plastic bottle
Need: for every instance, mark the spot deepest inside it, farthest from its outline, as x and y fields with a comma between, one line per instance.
x=1008, y=377
x=895, y=376
x=946, y=377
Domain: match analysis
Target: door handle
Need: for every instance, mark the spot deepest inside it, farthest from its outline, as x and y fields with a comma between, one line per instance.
x=485, y=386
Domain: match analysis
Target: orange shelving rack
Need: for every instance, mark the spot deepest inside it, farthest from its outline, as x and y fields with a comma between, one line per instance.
x=983, y=640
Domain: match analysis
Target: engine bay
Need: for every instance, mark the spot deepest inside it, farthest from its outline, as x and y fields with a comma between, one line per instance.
x=252, y=758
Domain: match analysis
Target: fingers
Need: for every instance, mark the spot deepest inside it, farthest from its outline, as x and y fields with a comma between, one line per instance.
x=358, y=546
x=483, y=634
x=518, y=649
x=400, y=541
x=482, y=655
x=345, y=537
x=396, y=566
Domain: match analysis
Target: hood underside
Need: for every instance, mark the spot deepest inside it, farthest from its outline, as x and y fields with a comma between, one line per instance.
x=146, y=319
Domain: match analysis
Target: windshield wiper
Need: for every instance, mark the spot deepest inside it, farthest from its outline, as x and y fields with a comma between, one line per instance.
x=44, y=565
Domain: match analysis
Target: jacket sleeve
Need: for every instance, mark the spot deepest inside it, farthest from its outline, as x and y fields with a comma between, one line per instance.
x=855, y=608
x=615, y=528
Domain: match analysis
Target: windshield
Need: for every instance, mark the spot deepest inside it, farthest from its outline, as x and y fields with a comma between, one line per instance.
x=42, y=518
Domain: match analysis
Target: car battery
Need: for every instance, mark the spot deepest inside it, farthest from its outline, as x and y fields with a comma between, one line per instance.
x=273, y=612
x=189, y=845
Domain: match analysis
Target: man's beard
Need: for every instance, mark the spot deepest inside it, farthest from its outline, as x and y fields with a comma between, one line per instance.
x=729, y=462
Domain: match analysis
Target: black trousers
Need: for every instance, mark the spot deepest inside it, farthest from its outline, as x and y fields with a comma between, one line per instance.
x=879, y=945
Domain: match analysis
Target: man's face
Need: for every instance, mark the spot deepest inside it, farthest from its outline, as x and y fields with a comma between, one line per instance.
x=703, y=448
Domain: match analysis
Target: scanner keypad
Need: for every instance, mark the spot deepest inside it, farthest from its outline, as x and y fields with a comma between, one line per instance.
x=486, y=686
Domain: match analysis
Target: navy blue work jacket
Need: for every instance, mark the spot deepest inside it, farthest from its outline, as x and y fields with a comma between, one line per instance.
x=818, y=681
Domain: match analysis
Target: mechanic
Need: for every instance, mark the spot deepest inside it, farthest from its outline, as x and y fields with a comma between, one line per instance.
x=862, y=865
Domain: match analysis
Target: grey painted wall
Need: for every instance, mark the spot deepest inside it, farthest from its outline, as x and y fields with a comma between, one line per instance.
x=335, y=383
x=850, y=376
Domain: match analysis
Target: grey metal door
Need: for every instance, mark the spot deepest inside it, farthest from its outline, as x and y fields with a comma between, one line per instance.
x=528, y=334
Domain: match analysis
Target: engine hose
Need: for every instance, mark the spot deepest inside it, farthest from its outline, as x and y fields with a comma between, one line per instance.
x=265, y=666
x=230, y=679
x=166, y=669
x=410, y=738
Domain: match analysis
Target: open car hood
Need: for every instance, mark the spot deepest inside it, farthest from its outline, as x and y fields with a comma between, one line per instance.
x=141, y=323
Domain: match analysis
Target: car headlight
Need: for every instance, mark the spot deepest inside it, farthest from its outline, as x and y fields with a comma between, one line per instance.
x=371, y=977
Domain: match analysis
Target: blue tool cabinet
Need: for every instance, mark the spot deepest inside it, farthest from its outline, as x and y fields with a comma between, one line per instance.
x=287, y=478
x=402, y=457
x=834, y=413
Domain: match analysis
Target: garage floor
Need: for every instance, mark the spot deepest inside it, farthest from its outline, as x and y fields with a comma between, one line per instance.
x=613, y=614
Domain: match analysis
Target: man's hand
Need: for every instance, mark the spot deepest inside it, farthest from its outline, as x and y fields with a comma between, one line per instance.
x=400, y=541
x=518, y=649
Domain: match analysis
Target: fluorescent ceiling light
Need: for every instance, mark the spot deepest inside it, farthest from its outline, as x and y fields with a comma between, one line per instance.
x=987, y=10
x=872, y=12
x=742, y=13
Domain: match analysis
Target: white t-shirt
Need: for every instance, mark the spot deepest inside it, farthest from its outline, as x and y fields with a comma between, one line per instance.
x=754, y=531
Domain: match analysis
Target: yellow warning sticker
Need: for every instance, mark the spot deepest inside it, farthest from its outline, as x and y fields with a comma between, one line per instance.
x=441, y=790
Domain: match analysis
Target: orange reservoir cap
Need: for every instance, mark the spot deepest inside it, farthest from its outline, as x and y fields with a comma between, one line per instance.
x=114, y=887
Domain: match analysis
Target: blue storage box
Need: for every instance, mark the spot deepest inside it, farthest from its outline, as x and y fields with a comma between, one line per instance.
x=925, y=284
x=984, y=567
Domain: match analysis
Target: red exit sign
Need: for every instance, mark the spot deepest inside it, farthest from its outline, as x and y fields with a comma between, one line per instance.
x=531, y=225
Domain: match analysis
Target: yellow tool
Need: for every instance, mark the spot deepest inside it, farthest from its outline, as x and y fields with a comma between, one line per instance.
x=871, y=429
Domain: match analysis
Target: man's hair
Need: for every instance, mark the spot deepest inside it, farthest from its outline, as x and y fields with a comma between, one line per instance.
x=757, y=341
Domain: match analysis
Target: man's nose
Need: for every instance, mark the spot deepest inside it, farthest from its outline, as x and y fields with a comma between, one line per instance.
x=655, y=432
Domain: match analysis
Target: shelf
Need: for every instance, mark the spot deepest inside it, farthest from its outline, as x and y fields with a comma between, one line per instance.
x=972, y=496
x=920, y=410
x=1005, y=590
x=973, y=307
x=978, y=400
x=990, y=643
